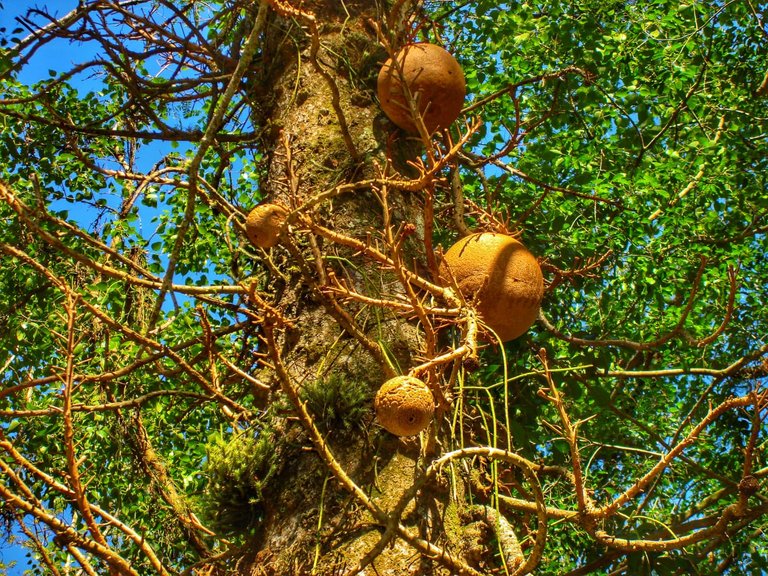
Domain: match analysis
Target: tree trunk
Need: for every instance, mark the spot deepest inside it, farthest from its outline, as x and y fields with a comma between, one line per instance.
x=312, y=523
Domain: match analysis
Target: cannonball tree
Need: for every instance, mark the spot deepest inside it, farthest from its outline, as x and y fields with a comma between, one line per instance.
x=190, y=387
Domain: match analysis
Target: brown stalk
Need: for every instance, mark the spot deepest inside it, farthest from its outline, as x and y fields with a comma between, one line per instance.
x=642, y=483
x=69, y=432
x=30, y=505
x=570, y=433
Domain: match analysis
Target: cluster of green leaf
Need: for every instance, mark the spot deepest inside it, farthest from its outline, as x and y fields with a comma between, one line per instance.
x=239, y=466
x=338, y=405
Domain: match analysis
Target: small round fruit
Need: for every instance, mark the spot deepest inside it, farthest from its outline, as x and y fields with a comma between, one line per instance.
x=264, y=224
x=433, y=77
x=404, y=405
x=500, y=277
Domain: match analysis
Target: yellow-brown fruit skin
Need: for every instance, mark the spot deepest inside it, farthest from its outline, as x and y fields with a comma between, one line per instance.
x=501, y=277
x=431, y=73
x=262, y=227
x=404, y=405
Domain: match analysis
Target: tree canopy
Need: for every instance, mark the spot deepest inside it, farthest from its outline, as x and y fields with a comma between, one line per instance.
x=177, y=400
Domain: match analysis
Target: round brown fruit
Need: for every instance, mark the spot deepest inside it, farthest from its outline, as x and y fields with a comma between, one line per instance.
x=264, y=224
x=404, y=405
x=433, y=77
x=500, y=277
